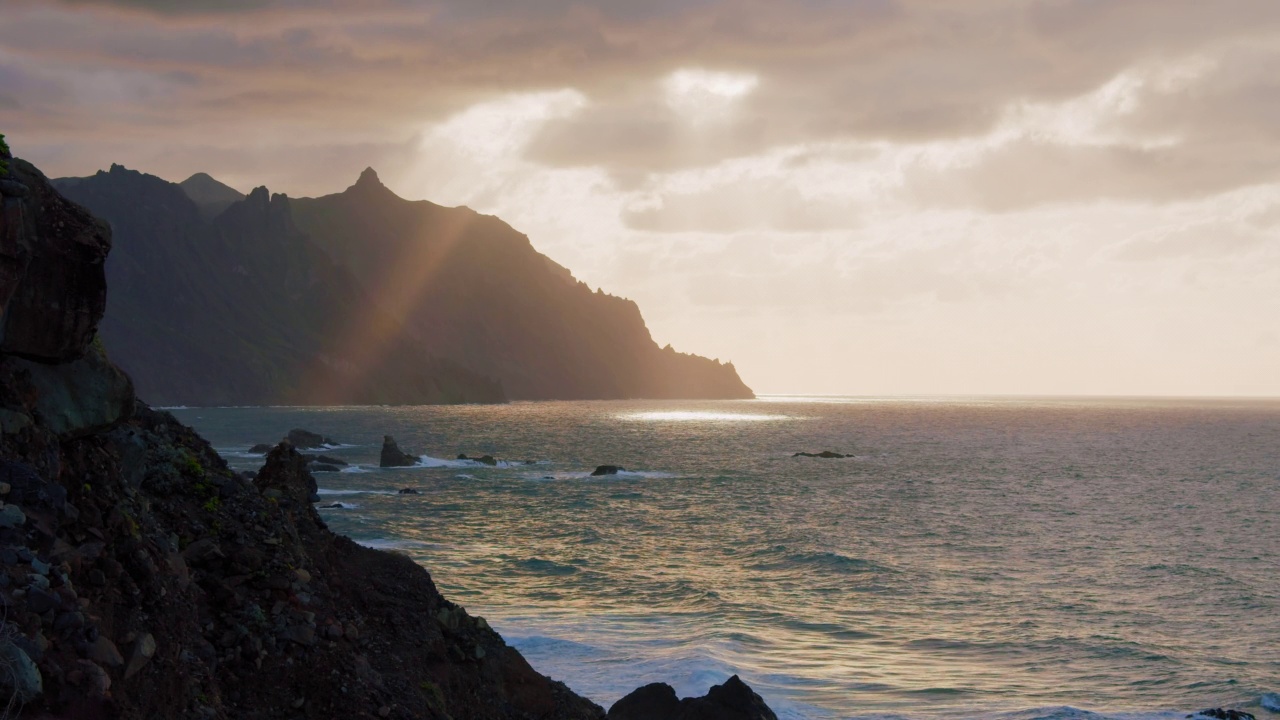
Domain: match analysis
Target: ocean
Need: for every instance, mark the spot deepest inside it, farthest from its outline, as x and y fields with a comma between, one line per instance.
x=1011, y=558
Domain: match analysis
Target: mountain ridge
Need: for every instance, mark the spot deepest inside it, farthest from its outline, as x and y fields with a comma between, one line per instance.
x=361, y=281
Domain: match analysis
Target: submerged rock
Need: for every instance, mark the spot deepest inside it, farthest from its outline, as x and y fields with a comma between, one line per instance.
x=486, y=459
x=332, y=506
x=329, y=460
x=393, y=456
x=607, y=470
x=824, y=454
x=408, y=491
x=733, y=700
x=1221, y=714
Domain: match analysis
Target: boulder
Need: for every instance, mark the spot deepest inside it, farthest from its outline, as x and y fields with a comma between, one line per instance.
x=408, y=491
x=82, y=397
x=285, y=473
x=261, y=449
x=332, y=506
x=607, y=470
x=329, y=460
x=305, y=439
x=393, y=456
x=21, y=680
x=824, y=454
x=733, y=700
x=53, y=285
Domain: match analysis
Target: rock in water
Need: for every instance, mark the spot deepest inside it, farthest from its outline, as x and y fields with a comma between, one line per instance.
x=393, y=456
x=657, y=701
x=261, y=449
x=408, y=491
x=486, y=459
x=824, y=454
x=731, y=701
x=607, y=470
x=1221, y=714
x=305, y=439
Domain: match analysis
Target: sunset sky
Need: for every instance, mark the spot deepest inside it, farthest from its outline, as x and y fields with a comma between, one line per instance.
x=840, y=196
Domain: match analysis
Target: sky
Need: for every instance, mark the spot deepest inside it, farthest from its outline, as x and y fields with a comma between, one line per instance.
x=870, y=197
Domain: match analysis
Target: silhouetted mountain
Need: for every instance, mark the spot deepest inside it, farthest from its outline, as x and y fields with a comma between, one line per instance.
x=482, y=295
x=241, y=309
x=211, y=196
x=234, y=303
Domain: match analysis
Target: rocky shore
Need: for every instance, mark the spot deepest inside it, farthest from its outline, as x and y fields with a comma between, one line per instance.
x=141, y=578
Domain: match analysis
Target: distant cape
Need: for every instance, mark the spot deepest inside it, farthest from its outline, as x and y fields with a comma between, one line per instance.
x=358, y=297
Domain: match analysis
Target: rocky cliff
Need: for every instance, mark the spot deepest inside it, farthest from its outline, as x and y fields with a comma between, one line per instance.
x=224, y=299
x=486, y=298
x=242, y=309
x=140, y=578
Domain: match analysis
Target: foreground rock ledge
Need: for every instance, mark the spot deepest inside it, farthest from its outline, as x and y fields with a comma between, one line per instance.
x=731, y=701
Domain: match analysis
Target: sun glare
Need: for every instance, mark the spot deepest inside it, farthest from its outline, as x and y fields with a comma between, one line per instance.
x=706, y=94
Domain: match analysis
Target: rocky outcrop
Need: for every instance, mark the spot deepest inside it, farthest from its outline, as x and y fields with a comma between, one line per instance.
x=141, y=578
x=607, y=470
x=77, y=398
x=483, y=459
x=731, y=701
x=393, y=456
x=53, y=288
x=828, y=454
x=307, y=440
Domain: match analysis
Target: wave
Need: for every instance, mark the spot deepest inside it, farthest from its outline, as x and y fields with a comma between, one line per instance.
x=829, y=561
x=355, y=469
x=427, y=461
x=354, y=491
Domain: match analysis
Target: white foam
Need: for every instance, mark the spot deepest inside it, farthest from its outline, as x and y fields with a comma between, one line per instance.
x=345, y=506
x=426, y=461
x=1270, y=702
x=353, y=469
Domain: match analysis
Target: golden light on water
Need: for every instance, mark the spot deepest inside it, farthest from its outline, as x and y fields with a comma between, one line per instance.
x=702, y=416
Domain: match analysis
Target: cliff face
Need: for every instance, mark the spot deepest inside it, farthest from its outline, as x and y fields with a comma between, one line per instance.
x=359, y=297
x=244, y=309
x=140, y=578
x=485, y=297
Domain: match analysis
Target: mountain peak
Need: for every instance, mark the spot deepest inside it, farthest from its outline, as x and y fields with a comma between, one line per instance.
x=369, y=178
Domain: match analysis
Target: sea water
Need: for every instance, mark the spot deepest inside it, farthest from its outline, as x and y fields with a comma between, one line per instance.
x=973, y=558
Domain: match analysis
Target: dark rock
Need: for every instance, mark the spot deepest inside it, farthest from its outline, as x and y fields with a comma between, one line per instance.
x=11, y=516
x=731, y=701
x=82, y=397
x=1221, y=714
x=607, y=470
x=486, y=459
x=261, y=449
x=21, y=680
x=41, y=601
x=656, y=701
x=408, y=491
x=286, y=473
x=332, y=506
x=323, y=467
x=393, y=456
x=824, y=454
x=330, y=460
x=53, y=285
x=305, y=440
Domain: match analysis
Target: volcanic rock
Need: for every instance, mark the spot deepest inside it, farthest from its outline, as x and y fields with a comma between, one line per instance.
x=486, y=459
x=733, y=700
x=305, y=439
x=607, y=470
x=393, y=456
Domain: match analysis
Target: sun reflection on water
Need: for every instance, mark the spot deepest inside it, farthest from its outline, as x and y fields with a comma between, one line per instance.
x=701, y=416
